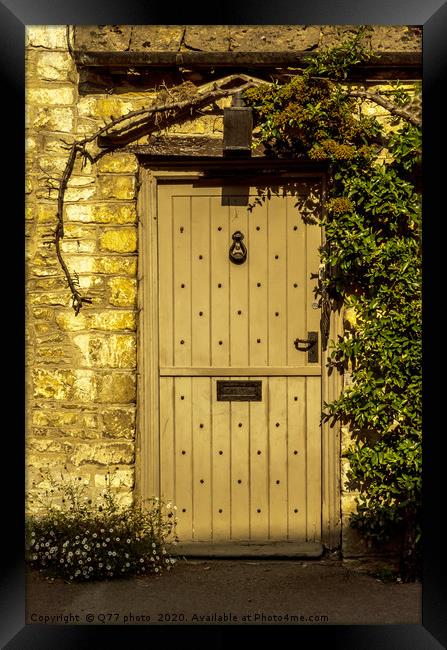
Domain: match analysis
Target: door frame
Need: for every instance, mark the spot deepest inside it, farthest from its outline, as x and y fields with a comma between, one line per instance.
x=147, y=431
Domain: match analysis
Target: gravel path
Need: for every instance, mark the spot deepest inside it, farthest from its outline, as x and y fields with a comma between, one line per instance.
x=229, y=592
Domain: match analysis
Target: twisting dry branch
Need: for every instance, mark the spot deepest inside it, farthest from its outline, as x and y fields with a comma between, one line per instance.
x=390, y=106
x=129, y=128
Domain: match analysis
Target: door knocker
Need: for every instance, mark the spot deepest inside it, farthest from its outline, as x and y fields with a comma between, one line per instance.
x=238, y=251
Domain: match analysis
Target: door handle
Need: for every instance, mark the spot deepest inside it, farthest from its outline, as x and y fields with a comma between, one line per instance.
x=311, y=346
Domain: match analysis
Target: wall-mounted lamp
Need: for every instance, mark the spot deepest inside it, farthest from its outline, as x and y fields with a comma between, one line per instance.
x=238, y=127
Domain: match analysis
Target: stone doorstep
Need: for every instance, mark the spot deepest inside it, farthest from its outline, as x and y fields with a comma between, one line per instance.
x=248, y=549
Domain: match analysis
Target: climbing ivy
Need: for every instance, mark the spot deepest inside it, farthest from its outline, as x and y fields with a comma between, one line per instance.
x=373, y=266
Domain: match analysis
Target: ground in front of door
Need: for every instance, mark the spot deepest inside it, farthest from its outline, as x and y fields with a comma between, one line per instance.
x=216, y=592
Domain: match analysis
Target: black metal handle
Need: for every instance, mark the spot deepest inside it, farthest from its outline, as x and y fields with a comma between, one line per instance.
x=238, y=250
x=312, y=346
x=309, y=342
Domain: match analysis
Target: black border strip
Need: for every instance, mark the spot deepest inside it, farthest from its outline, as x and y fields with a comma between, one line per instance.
x=14, y=15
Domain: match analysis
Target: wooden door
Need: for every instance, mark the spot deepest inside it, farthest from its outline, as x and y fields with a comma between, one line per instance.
x=239, y=470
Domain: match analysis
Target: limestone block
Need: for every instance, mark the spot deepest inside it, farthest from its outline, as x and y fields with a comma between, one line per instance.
x=46, y=36
x=112, y=351
x=396, y=38
x=96, y=38
x=44, y=313
x=113, y=320
x=68, y=321
x=62, y=96
x=104, y=107
x=52, y=164
x=78, y=246
x=53, y=384
x=54, y=66
x=123, y=292
x=54, y=417
x=103, y=454
x=156, y=38
x=61, y=299
x=117, y=387
x=97, y=213
x=119, y=423
x=116, y=187
x=119, y=266
x=118, y=163
x=59, y=119
x=273, y=38
x=122, y=240
x=207, y=38
x=85, y=385
x=76, y=231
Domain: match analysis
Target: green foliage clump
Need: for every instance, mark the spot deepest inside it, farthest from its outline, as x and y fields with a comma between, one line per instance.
x=74, y=539
x=373, y=262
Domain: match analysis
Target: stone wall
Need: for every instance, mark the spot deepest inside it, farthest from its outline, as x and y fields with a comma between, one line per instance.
x=81, y=393
x=82, y=370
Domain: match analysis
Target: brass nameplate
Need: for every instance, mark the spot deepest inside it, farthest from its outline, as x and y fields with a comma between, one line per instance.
x=239, y=391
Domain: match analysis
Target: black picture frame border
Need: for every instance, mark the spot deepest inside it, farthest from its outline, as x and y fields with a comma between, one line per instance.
x=432, y=15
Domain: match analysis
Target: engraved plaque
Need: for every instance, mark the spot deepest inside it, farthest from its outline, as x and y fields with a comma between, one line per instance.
x=239, y=391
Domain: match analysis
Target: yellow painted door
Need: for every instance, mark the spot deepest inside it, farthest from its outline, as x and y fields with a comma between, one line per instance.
x=239, y=470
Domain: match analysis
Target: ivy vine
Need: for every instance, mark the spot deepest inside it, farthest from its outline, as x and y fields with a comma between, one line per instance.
x=373, y=266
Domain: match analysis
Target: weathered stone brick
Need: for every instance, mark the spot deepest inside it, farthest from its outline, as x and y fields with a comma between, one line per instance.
x=122, y=240
x=49, y=298
x=68, y=321
x=119, y=423
x=116, y=187
x=53, y=384
x=78, y=246
x=103, y=37
x=52, y=119
x=85, y=386
x=123, y=292
x=116, y=265
x=112, y=351
x=101, y=213
x=54, y=66
x=273, y=38
x=113, y=320
x=46, y=212
x=103, y=454
x=156, y=38
x=119, y=388
x=46, y=36
x=118, y=163
x=62, y=96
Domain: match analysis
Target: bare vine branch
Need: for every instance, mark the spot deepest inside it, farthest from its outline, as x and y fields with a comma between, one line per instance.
x=200, y=98
x=390, y=106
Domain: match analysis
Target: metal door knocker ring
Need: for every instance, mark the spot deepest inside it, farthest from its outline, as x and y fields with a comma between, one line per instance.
x=238, y=251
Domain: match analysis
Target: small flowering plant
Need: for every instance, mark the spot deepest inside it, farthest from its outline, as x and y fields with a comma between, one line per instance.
x=74, y=539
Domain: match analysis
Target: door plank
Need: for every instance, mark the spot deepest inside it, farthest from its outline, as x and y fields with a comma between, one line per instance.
x=296, y=282
x=167, y=452
x=296, y=454
x=200, y=281
x=183, y=456
x=182, y=280
x=220, y=284
x=240, y=454
x=165, y=277
x=201, y=434
x=239, y=343
x=278, y=457
x=277, y=307
x=221, y=467
x=313, y=458
x=259, y=485
x=258, y=285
